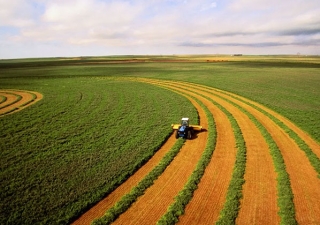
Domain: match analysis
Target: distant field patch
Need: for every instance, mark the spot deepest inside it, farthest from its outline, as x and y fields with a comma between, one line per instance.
x=12, y=101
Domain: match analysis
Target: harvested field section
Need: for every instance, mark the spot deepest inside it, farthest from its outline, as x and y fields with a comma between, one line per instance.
x=303, y=177
x=215, y=181
x=15, y=100
x=259, y=189
x=303, y=135
x=153, y=204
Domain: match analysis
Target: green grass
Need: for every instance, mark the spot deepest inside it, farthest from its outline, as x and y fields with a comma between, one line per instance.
x=2, y=98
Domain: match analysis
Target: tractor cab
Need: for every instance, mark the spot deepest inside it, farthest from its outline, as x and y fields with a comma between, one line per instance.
x=185, y=122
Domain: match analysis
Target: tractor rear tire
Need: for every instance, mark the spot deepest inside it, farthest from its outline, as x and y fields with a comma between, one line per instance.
x=189, y=134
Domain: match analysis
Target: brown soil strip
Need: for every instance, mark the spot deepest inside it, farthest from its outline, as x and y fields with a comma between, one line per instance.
x=26, y=100
x=259, y=203
x=304, y=182
x=153, y=204
x=99, y=209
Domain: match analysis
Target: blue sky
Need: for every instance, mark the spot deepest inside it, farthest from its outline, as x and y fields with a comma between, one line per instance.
x=51, y=28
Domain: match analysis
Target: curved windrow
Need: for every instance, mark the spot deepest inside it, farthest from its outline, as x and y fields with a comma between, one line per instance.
x=14, y=100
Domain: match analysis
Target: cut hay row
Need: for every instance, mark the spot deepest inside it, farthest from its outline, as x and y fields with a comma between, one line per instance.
x=15, y=100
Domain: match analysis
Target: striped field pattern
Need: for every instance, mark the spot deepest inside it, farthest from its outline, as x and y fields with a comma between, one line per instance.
x=249, y=166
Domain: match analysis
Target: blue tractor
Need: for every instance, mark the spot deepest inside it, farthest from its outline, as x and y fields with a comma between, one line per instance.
x=185, y=130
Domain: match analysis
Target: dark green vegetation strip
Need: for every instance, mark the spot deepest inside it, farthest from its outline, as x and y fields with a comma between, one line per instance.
x=78, y=144
x=127, y=200
x=313, y=158
x=185, y=195
x=3, y=98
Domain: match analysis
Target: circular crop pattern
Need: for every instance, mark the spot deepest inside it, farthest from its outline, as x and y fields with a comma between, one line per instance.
x=12, y=101
x=262, y=169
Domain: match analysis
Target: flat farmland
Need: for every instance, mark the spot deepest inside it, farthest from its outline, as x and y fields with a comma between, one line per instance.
x=98, y=147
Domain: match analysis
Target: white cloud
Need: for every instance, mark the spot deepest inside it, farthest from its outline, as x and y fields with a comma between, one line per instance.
x=16, y=13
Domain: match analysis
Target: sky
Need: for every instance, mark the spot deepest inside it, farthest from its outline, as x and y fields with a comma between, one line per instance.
x=67, y=28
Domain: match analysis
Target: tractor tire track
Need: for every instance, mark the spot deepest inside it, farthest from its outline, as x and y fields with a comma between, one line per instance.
x=17, y=100
x=153, y=204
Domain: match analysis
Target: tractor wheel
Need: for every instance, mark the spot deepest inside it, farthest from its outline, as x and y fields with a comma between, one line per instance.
x=189, y=134
x=177, y=134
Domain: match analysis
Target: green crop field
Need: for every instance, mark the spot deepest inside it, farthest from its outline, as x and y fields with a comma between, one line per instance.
x=92, y=130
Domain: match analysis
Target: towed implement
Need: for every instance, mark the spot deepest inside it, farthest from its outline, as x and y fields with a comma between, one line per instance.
x=185, y=130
